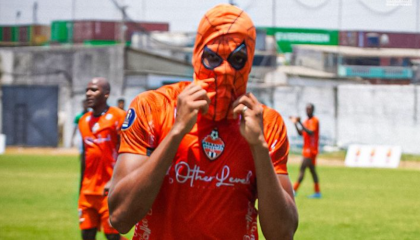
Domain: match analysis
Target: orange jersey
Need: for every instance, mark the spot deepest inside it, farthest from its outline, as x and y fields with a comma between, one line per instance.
x=100, y=144
x=210, y=189
x=310, y=142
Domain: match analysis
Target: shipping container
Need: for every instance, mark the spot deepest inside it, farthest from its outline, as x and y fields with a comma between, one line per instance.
x=349, y=38
x=379, y=39
x=94, y=30
x=395, y=40
x=62, y=31
x=101, y=32
x=7, y=33
x=15, y=34
x=40, y=34
x=24, y=34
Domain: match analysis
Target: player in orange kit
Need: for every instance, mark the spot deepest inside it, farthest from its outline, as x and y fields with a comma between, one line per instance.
x=195, y=157
x=310, y=132
x=100, y=133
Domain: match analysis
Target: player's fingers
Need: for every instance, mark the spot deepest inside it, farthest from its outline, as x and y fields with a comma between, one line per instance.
x=241, y=109
x=192, y=88
x=244, y=100
x=200, y=104
x=200, y=94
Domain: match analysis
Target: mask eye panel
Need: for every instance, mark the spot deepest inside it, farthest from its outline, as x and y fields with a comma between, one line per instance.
x=237, y=59
x=210, y=59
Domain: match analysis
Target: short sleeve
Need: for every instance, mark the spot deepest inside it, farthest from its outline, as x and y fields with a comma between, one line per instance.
x=139, y=130
x=276, y=137
x=313, y=124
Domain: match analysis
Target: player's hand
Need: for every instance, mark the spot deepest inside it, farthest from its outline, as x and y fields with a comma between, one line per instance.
x=294, y=119
x=191, y=101
x=250, y=109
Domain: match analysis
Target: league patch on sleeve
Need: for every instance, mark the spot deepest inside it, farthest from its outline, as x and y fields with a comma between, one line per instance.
x=129, y=119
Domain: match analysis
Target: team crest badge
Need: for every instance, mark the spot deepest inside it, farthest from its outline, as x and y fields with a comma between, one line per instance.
x=213, y=145
x=129, y=119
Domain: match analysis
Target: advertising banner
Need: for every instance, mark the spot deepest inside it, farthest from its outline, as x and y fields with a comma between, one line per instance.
x=373, y=156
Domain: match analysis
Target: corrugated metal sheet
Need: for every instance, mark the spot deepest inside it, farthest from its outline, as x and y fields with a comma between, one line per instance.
x=103, y=31
x=24, y=34
x=15, y=33
x=95, y=30
x=40, y=34
x=349, y=38
x=7, y=34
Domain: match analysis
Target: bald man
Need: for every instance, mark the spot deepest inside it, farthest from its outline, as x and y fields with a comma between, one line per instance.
x=100, y=133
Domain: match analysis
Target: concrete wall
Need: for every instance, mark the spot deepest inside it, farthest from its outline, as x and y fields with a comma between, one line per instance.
x=70, y=68
x=292, y=101
x=387, y=115
x=354, y=114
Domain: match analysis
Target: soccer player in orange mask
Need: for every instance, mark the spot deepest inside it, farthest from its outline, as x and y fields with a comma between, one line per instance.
x=195, y=157
x=222, y=59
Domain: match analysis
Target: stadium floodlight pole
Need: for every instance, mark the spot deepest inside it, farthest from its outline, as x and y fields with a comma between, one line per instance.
x=73, y=10
x=73, y=17
x=417, y=28
x=35, y=13
x=339, y=62
x=121, y=8
x=18, y=13
x=274, y=13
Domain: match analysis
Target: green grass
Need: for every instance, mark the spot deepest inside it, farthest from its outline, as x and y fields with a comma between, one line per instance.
x=38, y=200
x=360, y=203
x=38, y=197
x=341, y=155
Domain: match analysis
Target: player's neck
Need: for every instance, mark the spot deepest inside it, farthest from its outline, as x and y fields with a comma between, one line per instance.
x=99, y=111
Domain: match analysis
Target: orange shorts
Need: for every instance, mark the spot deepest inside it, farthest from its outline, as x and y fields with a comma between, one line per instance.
x=94, y=213
x=308, y=154
x=313, y=159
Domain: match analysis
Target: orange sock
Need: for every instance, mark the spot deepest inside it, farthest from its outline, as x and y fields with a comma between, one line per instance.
x=296, y=186
x=316, y=186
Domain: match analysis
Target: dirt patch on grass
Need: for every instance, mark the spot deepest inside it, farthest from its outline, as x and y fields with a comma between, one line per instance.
x=42, y=151
x=293, y=159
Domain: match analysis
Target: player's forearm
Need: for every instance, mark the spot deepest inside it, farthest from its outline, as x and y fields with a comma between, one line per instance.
x=277, y=210
x=310, y=132
x=133, y=196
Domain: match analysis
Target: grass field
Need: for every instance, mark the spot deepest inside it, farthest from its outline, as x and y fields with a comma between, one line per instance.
x=38, y=200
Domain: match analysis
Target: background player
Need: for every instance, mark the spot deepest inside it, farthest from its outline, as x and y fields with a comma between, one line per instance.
x=100, y=132
x=310, y=132
x=121, y=103
x=195, y=156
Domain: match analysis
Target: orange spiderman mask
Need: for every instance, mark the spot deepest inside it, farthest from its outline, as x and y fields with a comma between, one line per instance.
x=222, y=58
